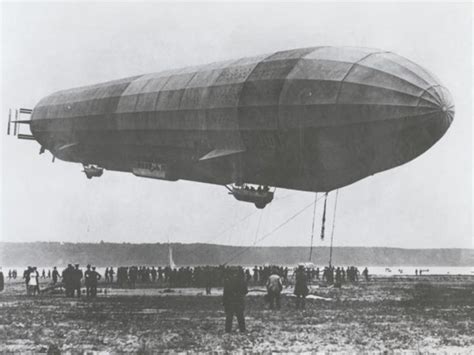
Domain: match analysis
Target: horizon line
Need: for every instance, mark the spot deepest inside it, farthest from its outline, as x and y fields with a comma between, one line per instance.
x=229, y=245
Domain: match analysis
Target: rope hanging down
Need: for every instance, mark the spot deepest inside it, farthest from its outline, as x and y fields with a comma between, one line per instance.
x=324, y=215
x=333, y=226
x=312, y=227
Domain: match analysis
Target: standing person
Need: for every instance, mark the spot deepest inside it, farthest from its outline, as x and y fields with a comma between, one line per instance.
x=68, y=280
x=274, y=288
x=77, y=277
x=33, y=281
x=43, y=274
x=94, y=280
x=55, y=275
x=301, y=287
x=365, y=273
x=37, y=288
x=87, y=280
x=107, y=275
x=49, y=273
x=248, y=276
x=26, y=276
x=208, y=279
x=133, y=276
x=255, y=275
x=338, y=277
x=111, y=274
x=160, y=274
x=235, y=290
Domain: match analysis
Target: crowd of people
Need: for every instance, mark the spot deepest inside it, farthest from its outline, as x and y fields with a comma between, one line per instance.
x=72, y=278
x=234, y=280
x=273, y=277
x=12, y=274
x=213, y=276
x=199, y=276
x=339, y=275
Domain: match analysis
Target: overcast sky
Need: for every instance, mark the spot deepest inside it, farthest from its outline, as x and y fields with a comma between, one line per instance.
x=426, y=203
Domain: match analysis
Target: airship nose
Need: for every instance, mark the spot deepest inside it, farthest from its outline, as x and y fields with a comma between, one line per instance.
x=387, y=87
x=444, y=103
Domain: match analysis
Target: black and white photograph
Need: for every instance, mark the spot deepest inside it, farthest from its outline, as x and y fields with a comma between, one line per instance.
x=236, y=177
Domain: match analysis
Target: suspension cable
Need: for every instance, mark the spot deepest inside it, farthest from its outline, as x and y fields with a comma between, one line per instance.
x=217, y=235
x=258, y=226
x=323, y=223
x=312, y=227
x=333, y=226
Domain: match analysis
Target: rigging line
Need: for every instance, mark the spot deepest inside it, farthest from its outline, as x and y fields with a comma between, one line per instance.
x=333, y=226
x=272, y=231
x=193, y=251
x=258, y=226
x=312, y=227
x=323, y=223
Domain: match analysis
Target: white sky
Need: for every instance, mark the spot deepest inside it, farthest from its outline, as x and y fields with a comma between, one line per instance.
x=426, y=203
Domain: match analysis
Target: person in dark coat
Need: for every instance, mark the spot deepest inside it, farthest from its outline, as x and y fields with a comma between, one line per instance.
x=301, y=287
x=111, y=274
x=208, y=280
x=68, y=280
x=94, y=280
x=55, y=275
x=133, y=276
x=87, y=280
x=365, y=273
x=26, y=276
x=235, y=289
x=77, y=277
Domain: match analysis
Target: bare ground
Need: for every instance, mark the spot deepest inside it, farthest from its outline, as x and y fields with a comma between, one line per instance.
x=435, y=313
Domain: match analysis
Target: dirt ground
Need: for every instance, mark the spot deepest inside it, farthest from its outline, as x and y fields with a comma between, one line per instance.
x=429, y=314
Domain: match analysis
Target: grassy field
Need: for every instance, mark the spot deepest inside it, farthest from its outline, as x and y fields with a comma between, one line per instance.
x=435, y=313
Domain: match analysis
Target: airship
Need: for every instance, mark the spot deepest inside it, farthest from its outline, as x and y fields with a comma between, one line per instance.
x=311, y=119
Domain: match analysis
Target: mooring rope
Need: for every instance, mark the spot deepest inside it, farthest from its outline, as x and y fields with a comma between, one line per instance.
x=333, y=226
x=323, y=223
x=312, y=227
